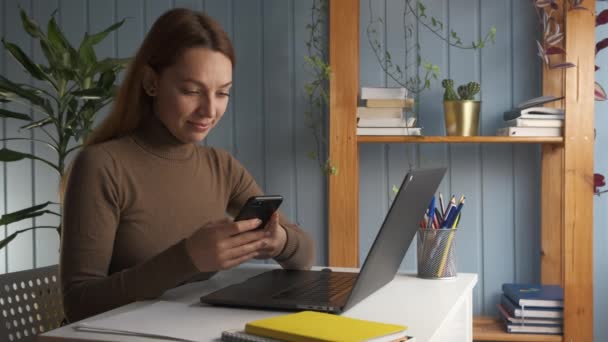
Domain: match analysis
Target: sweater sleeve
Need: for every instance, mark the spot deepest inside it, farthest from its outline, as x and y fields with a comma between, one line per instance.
x=91, y=215
x=298, y=252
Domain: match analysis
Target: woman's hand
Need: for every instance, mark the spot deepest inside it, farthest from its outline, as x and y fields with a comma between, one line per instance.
x=225, y=243
x=275, y=238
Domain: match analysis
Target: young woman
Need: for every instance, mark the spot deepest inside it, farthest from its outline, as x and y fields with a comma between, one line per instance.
x=144, y=206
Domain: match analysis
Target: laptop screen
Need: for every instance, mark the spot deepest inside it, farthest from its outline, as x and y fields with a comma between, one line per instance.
x=396, y=233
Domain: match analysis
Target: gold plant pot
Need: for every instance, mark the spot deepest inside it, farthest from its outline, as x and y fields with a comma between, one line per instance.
x=462, y=117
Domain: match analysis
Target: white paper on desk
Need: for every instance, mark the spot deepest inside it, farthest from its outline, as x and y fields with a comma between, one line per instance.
x=164, y=320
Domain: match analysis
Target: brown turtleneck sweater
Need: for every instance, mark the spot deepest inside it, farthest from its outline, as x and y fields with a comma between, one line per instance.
x=129, y=205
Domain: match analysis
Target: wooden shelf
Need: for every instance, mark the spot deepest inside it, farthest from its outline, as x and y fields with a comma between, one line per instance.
x=492, y=329
x=453, y=139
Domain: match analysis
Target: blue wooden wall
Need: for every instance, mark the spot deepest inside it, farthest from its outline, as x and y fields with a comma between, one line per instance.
x=265, y=125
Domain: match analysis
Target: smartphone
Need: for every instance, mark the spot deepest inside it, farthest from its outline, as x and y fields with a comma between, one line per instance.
x=261, y=207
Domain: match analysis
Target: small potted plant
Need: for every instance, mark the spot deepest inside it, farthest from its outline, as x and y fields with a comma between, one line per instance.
x=461, y=110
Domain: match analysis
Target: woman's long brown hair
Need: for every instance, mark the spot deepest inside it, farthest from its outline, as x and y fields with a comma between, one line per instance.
x=172, y=33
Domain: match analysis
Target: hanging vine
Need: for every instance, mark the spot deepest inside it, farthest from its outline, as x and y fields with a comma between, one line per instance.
x=317, y=90
x=409, y=76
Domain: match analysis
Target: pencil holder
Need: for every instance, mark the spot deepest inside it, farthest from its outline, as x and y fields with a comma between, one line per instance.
x=436, y=253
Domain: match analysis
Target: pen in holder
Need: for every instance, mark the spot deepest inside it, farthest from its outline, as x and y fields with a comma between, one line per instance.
x=436, y=253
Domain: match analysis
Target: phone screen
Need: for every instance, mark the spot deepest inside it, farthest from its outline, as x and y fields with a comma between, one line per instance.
x=261, y=207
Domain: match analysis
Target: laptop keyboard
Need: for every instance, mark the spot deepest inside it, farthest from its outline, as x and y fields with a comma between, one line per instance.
x=327, y=286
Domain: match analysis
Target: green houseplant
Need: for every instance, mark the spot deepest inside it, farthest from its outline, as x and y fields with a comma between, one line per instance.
x=76, y=85
x=461, y=109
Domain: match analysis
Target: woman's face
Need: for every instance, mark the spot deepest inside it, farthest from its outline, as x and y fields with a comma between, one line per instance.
x=193, y=93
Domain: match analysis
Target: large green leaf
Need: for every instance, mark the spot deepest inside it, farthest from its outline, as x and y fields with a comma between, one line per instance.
x=39, y=123
x=96, y=38
x=30, y=26
x=114, y=64
x=8, y=88
x=7, y=155
x=8, y=239
x=106, y=80
x=91, y=93
x=69, y=55
x=26, y=62
x=14, y=115
x=26, y=213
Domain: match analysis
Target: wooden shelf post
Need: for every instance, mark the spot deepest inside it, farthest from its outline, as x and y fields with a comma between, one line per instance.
x=343, y=152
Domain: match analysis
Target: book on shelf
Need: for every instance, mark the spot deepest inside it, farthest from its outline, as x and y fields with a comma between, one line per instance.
x=537, y=295
x=537, y=101
x=533, y=329
x=383, y=93
x=315, y=326
x=390, y=103
x=527, y=320
x=515, y=310
x=535, y=107
x=521, y=122
x=366, y=112
x=386, y=122
x=530, y=131
x=534, y=113
x=389, y=131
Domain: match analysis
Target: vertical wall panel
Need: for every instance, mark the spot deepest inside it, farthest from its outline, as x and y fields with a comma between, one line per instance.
x=497, y=165
x=465, y=170
x=247, y=91
x=222, y=135
x=373, y=182
x=526, y=84
x=3, y=193
x=399, y=157
x=19, y=174
x=310, y=200
x=132, y=32
x=153, y=10
x=278, y=107
x=196, y=5
x=46, y=246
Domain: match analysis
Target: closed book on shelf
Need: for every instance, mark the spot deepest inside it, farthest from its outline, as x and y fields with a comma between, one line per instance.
x=536, y=295
x=542, y=113
x=383, y=93
x=521, y=122
x=390, y=103
x=389, y=131
x=365, y=112
x=527, y=320
x=309, y=326
x=533, y=329
x=515, y=310
x=530, y=131
x=386, y=122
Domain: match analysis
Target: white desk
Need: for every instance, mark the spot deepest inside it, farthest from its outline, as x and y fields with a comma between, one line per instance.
x=434, y=310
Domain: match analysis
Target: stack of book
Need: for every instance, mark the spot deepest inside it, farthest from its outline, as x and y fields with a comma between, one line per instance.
x=531, y=119
x=384, y=112
x=532, y=309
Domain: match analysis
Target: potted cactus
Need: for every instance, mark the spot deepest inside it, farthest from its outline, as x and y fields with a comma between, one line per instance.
x=461, y=109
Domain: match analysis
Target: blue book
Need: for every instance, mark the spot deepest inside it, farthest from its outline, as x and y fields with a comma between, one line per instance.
x=546, y=296
x=515, y=310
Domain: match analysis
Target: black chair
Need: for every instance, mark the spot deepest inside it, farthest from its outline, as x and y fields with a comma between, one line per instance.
x=30, y=303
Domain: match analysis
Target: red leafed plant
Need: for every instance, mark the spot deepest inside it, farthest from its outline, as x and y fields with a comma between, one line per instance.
x=600, y=19
x=552, y=35
x=598, y=182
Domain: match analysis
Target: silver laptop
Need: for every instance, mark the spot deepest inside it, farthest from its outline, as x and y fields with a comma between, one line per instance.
x=336, y=292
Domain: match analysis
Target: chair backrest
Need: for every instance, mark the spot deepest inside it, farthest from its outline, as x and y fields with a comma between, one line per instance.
x=30, y=303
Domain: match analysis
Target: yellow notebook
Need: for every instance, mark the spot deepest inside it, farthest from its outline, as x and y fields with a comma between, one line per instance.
x=310, y=326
